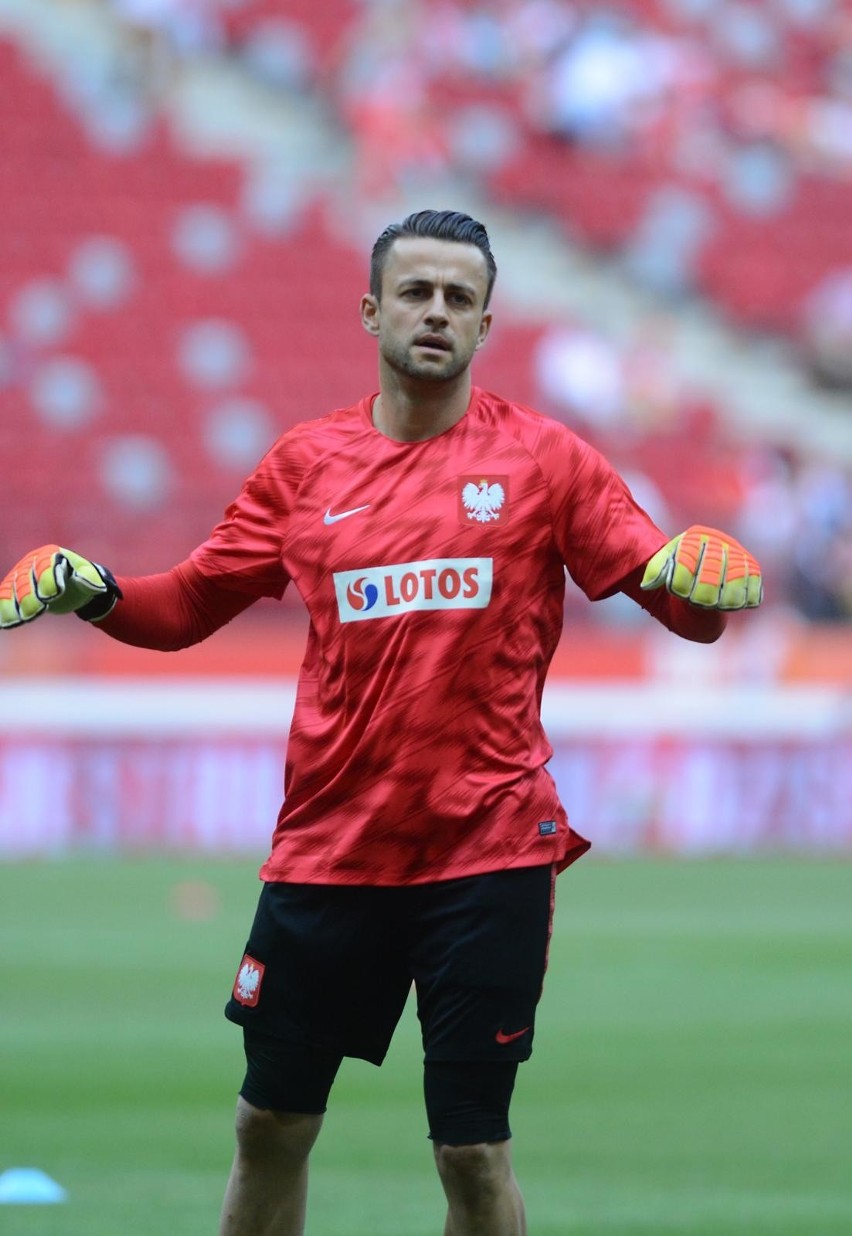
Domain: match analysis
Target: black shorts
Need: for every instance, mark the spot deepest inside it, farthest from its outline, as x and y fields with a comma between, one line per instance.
x=331, y=966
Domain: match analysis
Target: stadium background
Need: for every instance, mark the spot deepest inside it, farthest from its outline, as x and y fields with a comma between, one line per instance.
x=188, y=194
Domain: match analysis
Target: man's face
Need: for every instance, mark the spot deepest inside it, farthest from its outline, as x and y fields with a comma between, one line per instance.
x=431, y=316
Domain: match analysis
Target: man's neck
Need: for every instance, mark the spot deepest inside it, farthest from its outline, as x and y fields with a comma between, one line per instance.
x=414, y=414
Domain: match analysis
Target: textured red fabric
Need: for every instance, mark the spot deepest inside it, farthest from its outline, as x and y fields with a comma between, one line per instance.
x=433, y=573
x=173, y=610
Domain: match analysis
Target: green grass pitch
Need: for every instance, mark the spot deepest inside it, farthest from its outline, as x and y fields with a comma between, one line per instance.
x=692, y=1073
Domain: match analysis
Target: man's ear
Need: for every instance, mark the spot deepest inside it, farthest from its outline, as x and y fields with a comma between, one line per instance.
x=484, y=328
x=370, y=313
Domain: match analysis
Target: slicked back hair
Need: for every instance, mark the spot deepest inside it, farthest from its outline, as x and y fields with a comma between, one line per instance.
x=439, y=225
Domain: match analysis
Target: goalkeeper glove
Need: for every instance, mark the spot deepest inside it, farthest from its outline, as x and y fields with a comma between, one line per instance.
x=707, y=568
x=59, y=580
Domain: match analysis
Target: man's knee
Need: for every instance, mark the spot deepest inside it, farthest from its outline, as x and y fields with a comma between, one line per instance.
x=474, y=1171
x=262, y=1133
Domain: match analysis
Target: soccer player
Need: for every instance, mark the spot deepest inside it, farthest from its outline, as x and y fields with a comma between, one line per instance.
x=428, y=529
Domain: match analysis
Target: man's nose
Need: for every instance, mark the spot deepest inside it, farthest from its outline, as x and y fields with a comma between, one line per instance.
x=437, y=309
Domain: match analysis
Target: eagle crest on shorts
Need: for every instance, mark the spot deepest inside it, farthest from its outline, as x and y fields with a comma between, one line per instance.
x=248, y=980
x=483, y=501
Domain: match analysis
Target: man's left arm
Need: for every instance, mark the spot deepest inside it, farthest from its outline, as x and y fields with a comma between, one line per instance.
x=695, y=580
x=610, y=544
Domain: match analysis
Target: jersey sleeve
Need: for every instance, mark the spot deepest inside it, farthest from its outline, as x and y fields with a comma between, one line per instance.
x=606, y=538
x=602, y=533
x=702, y=626
x=172, y=610
x=244, y=552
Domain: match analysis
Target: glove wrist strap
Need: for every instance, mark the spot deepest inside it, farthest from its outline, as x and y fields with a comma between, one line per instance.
x=100, y=606
x=97, y=608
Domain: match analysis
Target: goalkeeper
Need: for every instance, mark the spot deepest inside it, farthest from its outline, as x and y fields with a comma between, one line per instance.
x=428, y=529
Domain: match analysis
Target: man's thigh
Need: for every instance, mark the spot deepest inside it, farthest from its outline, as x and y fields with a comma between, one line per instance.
x=478, y=954
x=322, y=968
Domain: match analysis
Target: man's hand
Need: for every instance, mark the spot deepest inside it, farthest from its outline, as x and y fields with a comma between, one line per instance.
x=707, y=568
x=56, y=579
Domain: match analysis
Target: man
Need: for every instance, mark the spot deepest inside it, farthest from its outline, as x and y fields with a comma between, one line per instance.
x=428, y=529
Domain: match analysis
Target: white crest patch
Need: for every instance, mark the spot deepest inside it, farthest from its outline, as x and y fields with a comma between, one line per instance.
x=483, y=501
x=248, y=980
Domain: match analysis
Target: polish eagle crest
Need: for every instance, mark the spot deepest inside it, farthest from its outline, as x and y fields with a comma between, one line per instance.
x=483, y=501
x=248, y=981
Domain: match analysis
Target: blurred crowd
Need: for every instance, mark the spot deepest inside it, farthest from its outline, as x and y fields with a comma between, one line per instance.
x=686, y=463
x=693, y=78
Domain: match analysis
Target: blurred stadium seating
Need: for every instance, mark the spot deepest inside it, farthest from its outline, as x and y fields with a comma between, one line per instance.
x=155, y=348
x=737, y=124
x=157, y=339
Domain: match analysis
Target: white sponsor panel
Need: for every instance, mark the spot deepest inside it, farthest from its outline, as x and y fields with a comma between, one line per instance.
x=404, y=587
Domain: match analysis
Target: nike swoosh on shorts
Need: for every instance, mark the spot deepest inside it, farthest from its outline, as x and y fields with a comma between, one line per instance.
x=510, y=1038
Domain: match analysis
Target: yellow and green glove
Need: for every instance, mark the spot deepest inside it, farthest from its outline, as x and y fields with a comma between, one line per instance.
x=56, y=579
x=707, y=568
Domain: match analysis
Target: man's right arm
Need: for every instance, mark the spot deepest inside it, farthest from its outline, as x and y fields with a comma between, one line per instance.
x=167, y=611
x=172, y=610
x=241, y=561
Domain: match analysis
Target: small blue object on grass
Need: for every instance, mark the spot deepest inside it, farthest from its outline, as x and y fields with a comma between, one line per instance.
x=29, y=1186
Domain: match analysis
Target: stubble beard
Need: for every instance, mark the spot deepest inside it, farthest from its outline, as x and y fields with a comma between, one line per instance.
x=402, y=361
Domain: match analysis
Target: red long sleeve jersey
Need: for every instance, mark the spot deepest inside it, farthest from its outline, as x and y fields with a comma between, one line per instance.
x=433, y=574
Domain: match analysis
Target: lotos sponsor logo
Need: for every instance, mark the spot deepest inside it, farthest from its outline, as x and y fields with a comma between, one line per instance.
x=361, y=595
x=437, y=583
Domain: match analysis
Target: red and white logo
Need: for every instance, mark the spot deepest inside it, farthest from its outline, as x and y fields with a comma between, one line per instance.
x=404, y=587
x=483, y=499
x=248, y=981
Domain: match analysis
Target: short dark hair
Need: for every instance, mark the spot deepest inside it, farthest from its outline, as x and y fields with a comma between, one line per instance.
x=440, y=225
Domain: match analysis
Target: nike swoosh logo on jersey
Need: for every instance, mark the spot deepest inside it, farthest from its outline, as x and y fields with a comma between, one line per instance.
x=328, y=518
x=510, y=1038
